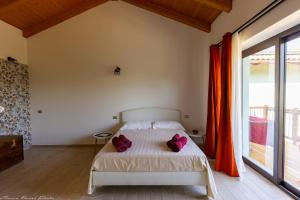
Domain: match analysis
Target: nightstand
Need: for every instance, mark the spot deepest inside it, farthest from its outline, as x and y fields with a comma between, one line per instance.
x=104, y=136
x=198, y=138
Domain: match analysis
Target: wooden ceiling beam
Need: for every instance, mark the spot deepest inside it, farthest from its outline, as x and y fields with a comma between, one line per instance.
x=222, y=5
x=172, y=14
x=7, y=3
x=56, y=19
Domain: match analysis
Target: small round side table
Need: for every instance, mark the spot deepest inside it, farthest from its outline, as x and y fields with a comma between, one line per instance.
x=198, y=138
x=101, y=136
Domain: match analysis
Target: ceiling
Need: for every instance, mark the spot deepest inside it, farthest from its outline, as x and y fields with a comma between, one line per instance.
x=34, y=16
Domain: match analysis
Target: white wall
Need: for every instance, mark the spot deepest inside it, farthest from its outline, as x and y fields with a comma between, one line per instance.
x=12, y=43
x=71, y=71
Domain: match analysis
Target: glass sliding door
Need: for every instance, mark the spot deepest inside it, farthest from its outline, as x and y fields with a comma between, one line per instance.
x=259, y=108
x=271, y=109
x=291, y=152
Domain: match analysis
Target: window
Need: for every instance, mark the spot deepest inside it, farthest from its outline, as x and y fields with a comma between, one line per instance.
x=258, y=104
x=292, y=113
x=271, y=109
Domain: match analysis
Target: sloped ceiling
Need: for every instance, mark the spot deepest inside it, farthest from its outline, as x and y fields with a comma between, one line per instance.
x=34, y=16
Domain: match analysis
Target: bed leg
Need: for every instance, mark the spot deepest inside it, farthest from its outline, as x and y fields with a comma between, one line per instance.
x=206, y=189
x=207, y=197
x=91, y=191
x=207, y=192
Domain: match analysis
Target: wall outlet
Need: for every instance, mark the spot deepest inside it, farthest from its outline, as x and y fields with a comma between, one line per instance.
x=187, y=116
x=115, y=117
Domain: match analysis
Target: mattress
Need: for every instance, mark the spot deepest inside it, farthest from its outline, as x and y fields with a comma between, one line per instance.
x=149, y=153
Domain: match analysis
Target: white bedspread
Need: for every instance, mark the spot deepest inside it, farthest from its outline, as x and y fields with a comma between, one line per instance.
x=149, y=153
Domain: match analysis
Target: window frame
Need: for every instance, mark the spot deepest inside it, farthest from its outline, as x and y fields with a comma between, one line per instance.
x=250, y=51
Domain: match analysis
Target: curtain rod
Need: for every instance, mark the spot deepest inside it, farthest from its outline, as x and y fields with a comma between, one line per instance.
x=256, y=17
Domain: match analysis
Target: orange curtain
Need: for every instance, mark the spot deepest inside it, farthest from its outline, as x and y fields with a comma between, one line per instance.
x=214, y=97
x=225, y=160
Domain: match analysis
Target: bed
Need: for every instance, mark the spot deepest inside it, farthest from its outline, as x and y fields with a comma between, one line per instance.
x=149, y=161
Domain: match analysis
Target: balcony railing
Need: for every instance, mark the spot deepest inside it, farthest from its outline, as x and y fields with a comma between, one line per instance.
x=261, y=121
x=292, y=119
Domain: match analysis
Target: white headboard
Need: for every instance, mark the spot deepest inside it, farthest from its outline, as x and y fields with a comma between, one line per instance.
x=150, y=113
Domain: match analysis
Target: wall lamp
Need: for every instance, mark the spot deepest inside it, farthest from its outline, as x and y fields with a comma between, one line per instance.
x=117, y=71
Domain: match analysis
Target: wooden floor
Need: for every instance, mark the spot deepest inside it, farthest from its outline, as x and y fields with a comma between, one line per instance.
x=263, y=154
x=62, y=173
